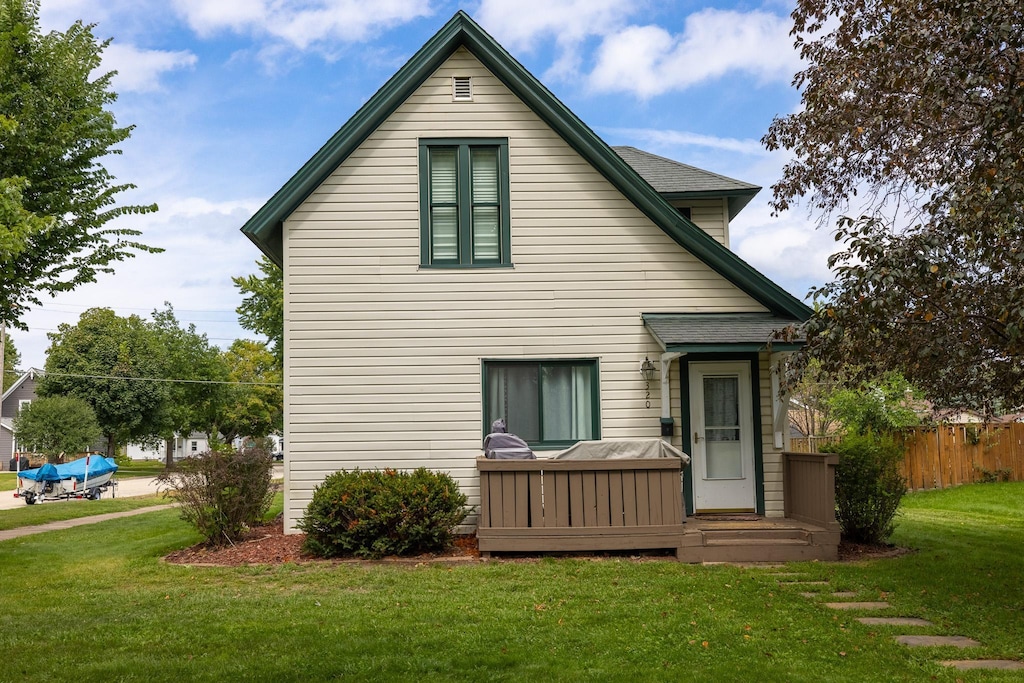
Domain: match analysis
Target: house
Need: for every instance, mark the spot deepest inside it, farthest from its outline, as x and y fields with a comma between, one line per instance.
x=182, y=447
x=465, y=248
x=18, y=395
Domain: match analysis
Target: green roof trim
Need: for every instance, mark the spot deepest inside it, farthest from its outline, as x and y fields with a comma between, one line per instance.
x=265, y=226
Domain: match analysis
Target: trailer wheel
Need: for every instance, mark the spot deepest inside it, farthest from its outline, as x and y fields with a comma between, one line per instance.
x=30, y=499
x=94, y=494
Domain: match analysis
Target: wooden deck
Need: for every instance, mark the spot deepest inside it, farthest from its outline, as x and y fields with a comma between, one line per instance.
x=580, y=505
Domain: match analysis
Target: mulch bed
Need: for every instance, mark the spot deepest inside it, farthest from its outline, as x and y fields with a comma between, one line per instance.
x=270, y=545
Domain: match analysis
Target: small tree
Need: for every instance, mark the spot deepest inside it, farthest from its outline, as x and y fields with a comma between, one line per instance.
x=222, y=495
x=869, y=486
x=57, y=426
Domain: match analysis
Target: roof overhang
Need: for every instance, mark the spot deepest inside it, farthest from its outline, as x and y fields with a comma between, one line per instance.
x=724, y=332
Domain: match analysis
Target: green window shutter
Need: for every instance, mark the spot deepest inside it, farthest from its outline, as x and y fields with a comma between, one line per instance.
x=464, y=199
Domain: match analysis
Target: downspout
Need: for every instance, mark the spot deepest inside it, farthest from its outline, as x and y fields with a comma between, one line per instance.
x=780, y=404
x=667, y=423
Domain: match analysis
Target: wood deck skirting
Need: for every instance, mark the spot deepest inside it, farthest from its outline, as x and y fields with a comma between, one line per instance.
x=809, y=488
x=581, y=505
x=544, y=505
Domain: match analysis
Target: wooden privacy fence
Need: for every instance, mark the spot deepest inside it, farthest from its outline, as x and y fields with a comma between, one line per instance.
x=536, y=505
x=949, y=455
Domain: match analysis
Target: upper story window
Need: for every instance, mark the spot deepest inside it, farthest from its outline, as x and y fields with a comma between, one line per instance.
x=548, y=403
x=464, y=213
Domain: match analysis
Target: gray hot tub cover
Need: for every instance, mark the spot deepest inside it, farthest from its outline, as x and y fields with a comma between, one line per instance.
x=621, y=450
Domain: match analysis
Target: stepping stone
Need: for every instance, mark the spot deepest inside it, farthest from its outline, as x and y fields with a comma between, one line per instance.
x=999, y=664
x=857, y=605
x=840, y=594
x=937, y=641
x=894, y=621
x=804, y=583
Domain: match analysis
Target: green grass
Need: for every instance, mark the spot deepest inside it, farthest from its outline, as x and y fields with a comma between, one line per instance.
x=8, y=481
x=96, y=603
x=55, y=511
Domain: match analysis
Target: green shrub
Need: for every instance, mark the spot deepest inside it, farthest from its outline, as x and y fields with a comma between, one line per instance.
x=222, y=494
x=374, y=513
x=869, y=486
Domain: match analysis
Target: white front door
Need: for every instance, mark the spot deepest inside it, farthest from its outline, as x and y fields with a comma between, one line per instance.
x=721, y=416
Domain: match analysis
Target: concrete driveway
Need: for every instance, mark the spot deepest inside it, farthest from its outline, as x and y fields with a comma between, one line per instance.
x=126, y=488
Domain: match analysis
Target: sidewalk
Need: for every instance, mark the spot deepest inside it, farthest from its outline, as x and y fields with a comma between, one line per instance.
x=69, y=523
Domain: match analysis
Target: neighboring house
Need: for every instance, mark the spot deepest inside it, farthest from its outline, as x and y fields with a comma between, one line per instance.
x=183, y=447
x=465, y=248
x=19, y=394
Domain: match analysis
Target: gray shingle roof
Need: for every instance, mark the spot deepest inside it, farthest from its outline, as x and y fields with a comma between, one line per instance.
x=702, y=331
x=676, y=180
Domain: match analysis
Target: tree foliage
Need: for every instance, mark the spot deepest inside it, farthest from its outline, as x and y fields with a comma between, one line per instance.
x=56, y=198
x=197, y=394
x=913, y=124
x=56, y=426
x=110, y=362
x=11, y=360
x=262, y=308
x=256, y=403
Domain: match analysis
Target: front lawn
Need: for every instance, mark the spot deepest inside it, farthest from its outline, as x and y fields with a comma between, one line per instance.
x=96, y=603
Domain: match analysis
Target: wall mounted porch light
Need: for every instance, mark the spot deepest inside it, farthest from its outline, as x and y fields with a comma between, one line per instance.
x=647, y=369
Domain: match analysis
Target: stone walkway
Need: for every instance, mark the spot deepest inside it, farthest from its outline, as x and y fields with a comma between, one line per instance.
x=910, y=640
x=69, y=523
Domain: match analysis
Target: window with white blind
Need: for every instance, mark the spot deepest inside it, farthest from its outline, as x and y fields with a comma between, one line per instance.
x=464, y=216
x=550, y=403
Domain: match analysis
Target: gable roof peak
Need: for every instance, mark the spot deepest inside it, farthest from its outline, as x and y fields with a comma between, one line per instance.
x=265, y=228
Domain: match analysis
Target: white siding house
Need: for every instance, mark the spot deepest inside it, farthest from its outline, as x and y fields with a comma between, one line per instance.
x=547, y=271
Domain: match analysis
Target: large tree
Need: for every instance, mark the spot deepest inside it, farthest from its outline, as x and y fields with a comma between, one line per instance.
x=11, y=360
x=911, y=132
x=56, y=197
x=256, y=404
x=116, y=365
x=199, y=391
x=262, y=308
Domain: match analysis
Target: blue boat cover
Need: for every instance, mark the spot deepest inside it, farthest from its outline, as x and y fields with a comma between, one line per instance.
x=71, y=470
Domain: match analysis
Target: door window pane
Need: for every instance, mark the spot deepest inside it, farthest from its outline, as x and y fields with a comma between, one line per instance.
x=723, y=453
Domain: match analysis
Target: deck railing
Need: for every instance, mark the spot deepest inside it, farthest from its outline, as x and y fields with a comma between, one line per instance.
x=809, y=488
x=535, y=505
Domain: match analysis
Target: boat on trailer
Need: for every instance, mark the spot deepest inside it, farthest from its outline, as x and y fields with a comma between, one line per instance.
x=86, y=477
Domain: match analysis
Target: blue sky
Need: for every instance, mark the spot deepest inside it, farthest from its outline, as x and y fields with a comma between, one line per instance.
x=230, y=98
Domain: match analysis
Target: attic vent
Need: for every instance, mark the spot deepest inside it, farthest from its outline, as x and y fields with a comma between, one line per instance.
x=462, y=88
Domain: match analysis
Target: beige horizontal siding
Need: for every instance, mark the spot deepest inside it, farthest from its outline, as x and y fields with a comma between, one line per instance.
x=384, y=357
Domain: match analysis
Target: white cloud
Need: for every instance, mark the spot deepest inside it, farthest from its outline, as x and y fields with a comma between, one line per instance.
x=649, y=61
x=681, y=138
x=139, y=70
x=300, y=24
x=519, y=25
x=203, y=248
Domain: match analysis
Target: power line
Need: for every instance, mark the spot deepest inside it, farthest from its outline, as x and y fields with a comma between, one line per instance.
x=159, y=379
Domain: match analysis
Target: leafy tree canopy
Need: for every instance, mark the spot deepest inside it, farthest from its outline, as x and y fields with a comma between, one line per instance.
x=913, y=122
x=102, y=360
x=196, y=396
x=56, y=198
x=11, y=360
x=57, y=425
x=257, y=403
x=262, y=308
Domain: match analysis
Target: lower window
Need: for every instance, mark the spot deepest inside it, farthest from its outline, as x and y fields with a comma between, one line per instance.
x=546, y=403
